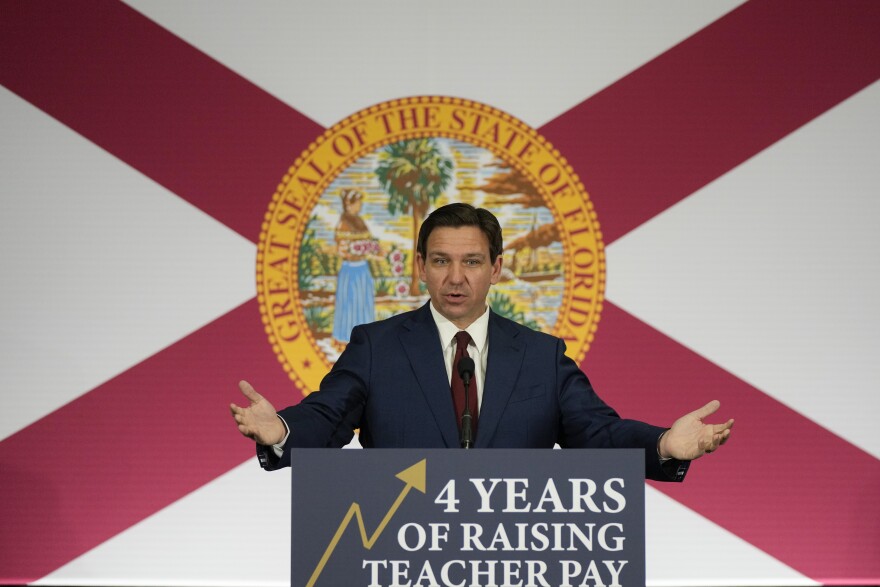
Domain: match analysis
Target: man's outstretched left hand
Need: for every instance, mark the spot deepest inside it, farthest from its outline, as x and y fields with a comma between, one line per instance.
x=690, y=437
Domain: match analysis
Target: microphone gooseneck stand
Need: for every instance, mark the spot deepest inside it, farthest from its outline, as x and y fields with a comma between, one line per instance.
x=466, y=371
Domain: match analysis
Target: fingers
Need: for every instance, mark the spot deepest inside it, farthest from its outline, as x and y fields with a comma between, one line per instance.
x=720, y=428
x=245, y=431
x=708, y=409
x=249, y=392
x=718, y=438
x=721, y=432
x=238, y=413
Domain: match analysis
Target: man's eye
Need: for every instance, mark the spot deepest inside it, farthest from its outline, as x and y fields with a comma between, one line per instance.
x=472, y=262
x=439, y=261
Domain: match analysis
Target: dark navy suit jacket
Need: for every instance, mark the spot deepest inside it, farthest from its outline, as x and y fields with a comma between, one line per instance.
x=391, y=382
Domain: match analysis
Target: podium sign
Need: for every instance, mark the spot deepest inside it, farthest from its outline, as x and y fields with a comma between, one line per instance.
x=491, y=517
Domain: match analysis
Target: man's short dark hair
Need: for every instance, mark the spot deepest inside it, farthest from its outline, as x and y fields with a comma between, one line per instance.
x=456, y=215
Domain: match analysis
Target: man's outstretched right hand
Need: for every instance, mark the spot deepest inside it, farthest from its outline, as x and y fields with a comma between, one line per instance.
x=258, y=421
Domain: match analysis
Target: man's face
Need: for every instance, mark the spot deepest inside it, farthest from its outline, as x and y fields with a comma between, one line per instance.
x=457, y=270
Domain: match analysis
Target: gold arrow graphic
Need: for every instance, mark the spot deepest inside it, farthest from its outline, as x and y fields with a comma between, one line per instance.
x=414, y=477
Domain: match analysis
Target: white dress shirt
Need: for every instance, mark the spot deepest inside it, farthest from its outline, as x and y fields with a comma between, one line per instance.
x=478, y=349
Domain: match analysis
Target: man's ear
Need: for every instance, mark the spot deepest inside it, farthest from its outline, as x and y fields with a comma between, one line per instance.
x=420, y=262
x=496, y=270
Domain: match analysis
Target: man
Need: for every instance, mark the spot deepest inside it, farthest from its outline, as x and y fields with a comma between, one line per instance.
x=393, y=380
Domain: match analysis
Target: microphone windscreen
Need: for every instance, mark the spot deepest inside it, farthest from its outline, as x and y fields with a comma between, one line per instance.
x=466, y=365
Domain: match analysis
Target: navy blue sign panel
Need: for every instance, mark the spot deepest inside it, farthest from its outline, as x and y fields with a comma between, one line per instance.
x=456, y=518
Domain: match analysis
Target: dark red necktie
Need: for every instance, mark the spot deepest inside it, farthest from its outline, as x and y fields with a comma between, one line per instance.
x=462, y=340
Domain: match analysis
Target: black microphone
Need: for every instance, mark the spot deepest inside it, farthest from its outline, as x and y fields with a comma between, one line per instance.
x=466, y=371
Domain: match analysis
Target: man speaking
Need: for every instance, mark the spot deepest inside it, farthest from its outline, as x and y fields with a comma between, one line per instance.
x=400, y=380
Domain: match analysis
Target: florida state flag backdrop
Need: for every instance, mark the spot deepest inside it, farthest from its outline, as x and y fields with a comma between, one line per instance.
x=199, y=192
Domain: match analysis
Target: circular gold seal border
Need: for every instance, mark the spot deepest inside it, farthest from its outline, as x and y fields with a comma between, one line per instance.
x=410, y=118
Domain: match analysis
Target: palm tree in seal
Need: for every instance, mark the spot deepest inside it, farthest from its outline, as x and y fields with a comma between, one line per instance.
x=413, y=173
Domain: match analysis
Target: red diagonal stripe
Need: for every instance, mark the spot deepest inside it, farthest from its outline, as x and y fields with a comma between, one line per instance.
x=783, y=483
x=715, y=100
x=130, y=447
x=155, y=102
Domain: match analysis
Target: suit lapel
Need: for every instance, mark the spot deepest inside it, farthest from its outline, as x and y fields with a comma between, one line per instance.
x=421, y=343
x=506, y=353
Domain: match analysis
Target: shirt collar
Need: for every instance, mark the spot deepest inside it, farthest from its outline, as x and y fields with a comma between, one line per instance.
x=479, y=329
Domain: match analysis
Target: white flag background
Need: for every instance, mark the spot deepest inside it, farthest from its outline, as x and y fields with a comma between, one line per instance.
x=733, y=155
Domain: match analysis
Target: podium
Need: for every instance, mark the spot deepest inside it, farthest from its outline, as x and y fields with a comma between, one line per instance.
x=488, y=517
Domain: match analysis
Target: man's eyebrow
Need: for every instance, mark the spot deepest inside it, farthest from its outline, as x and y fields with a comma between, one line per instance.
x=473, y=255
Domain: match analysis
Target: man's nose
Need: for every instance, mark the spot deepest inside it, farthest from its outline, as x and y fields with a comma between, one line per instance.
x=456, y=273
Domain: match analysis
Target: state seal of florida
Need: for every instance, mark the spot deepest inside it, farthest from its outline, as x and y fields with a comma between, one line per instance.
x=337, y=246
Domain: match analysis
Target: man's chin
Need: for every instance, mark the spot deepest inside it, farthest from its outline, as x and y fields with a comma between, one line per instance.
x=452, y=312
x=461, y=317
